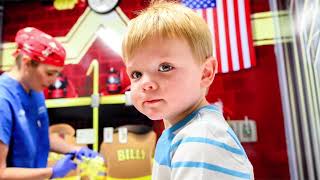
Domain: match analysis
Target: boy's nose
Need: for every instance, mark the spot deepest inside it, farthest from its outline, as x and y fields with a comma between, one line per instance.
x=150, y=85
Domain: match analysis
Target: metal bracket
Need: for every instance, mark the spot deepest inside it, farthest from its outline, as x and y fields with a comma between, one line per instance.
x=95, y=100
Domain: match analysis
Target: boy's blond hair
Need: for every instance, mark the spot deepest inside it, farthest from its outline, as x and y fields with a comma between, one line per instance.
x=169, y=20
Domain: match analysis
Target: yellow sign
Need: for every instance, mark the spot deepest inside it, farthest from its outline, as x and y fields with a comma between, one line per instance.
x=131, y=154
x=64, y=4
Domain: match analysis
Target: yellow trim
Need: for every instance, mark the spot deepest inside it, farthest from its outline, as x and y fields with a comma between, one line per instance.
x=271, y=41
x=64, y=5
x=113, y=99
x=267, y=14
x=94, y=68
x=84, y=101
x=69, y=178
x=264, y=31
x=124, y=17
x=68, y=102
x=138, y=178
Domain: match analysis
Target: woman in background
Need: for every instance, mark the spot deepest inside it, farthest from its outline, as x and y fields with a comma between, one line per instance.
x=24, y=134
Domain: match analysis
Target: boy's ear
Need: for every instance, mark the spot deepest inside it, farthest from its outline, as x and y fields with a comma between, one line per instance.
x=209, y=69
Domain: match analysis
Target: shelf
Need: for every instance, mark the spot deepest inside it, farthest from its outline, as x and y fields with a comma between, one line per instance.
x=113, y=99
x=84, y=101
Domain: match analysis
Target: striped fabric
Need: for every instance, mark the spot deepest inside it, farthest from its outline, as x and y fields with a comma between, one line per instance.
x=202, y=147
x=230, y=25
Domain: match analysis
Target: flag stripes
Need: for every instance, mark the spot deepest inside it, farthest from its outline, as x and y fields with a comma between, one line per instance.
x=230, y=25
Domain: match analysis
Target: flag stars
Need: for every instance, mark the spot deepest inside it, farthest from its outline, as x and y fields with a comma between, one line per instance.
x=198, y=4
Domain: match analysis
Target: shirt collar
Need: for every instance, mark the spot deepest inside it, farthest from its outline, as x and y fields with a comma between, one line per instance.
x=187, y=119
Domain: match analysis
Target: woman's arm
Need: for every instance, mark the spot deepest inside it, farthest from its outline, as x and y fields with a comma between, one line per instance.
x=58, y=145
x=11, y=173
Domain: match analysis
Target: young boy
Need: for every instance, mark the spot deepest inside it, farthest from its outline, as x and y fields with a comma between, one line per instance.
x=169, y=57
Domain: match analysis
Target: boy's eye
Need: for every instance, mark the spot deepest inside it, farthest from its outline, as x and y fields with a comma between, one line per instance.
x=165, y=67
x=136, y=75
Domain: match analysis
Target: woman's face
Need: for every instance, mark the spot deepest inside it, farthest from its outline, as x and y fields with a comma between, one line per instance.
x=41, y=76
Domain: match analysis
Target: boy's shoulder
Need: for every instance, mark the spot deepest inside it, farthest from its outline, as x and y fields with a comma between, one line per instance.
x=207, y=134
x=207, y=122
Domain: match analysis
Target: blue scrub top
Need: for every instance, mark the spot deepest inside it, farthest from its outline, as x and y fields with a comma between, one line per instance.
x=23, y=124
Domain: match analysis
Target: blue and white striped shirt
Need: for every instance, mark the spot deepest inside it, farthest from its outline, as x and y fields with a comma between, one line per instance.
x=202, y=146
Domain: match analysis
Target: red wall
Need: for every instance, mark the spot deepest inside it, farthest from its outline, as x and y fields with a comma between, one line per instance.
x=253, y=93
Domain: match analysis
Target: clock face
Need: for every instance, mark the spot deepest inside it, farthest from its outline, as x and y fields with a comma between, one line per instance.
x=103, y=6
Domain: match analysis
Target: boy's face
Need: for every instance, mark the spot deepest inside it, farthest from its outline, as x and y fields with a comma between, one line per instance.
x=165, y=79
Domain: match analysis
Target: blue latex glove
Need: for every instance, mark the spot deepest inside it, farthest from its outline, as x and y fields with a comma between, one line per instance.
x=63, y=166
x=86, y=152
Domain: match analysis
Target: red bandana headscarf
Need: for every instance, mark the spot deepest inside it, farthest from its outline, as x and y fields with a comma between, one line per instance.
x=40, y=46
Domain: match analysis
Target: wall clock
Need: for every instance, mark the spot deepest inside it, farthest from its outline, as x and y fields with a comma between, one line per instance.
x=103, y=6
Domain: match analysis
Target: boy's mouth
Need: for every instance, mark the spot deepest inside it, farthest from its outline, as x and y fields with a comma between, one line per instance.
x=153, y=101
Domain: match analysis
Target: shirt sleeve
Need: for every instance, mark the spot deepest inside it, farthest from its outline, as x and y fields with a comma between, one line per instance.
x=5, y=121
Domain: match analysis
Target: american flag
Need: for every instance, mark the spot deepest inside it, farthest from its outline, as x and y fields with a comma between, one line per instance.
x=229, y=23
